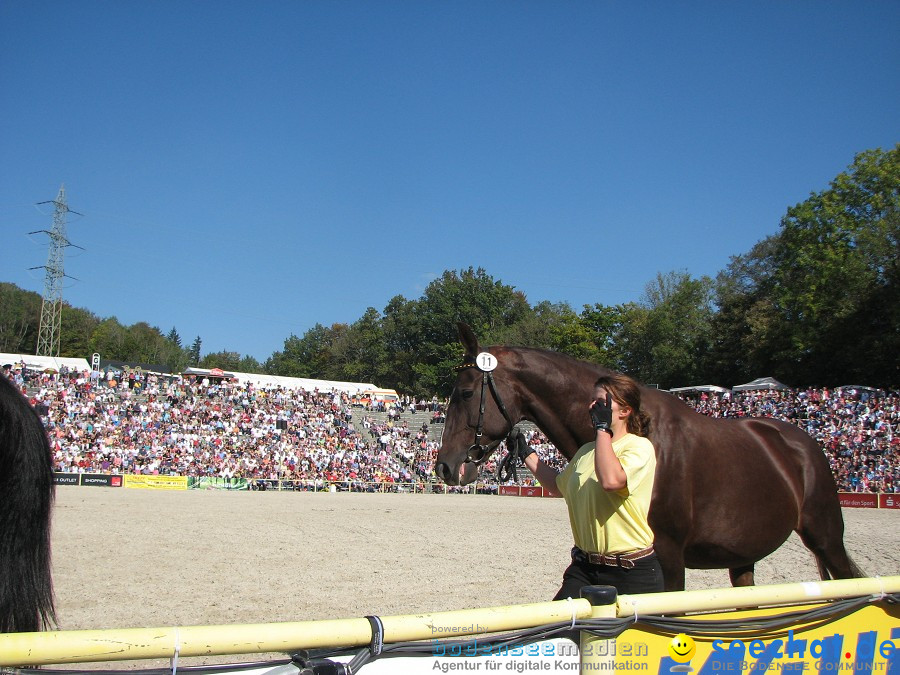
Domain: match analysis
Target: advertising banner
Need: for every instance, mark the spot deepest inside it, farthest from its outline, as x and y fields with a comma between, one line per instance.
x=155, y=482
x=61, y=478
x=866, y=641
x=216, y=483
x=509, y=490
x=858, y=500
x=101, y=479
x=891, y=501
x=533, y=491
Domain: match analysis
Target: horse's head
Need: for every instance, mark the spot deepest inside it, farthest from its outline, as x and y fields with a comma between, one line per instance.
x=477, y=416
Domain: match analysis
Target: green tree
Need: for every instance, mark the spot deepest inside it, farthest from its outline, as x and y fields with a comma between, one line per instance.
x=109, y=339
x=20, y=319
x=604, y=323
x=667, y=337
x=472, y=296
x=194, y=352
x=552, y=325
x=304, y=357
x=174, y=337
x=746, y=324
x=75, y=335
x=821, y=296
x=400, y=330
x=145, y=344
x=359, y=353
x=567, y=332
x=226, y=360
x=249, y=364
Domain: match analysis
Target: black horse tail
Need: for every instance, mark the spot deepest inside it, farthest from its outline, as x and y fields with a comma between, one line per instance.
x=825, y=574
x=26, y=500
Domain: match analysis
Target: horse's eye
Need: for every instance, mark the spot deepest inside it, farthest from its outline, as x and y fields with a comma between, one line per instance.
x=467, y=394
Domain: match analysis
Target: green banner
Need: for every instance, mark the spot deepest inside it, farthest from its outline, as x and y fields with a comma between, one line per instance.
x=215, y=483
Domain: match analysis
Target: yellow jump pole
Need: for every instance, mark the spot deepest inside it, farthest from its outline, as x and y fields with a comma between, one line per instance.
x=59, y=647
x=754, y=596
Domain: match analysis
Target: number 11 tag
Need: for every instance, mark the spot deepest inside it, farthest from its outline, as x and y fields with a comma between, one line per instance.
x=486, y=362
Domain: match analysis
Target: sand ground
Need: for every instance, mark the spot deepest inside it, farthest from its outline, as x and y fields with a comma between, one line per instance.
x=136, y=558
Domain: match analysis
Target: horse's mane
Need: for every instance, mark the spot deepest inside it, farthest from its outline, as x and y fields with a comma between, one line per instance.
x=548, y=354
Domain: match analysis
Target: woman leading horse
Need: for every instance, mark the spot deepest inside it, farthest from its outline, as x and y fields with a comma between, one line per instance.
x=607, y=487
x=727, y=493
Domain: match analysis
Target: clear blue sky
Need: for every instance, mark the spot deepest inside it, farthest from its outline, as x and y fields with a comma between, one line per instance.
x=249, y=169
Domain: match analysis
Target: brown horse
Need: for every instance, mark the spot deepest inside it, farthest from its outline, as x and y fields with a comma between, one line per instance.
x=728, y=492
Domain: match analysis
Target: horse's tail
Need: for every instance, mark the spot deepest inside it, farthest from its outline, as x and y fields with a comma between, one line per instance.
x=857, y=570
x=26, y=500
x=824, y=574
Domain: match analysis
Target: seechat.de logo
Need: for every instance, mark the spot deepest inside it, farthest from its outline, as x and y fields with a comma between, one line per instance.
x=682, y=650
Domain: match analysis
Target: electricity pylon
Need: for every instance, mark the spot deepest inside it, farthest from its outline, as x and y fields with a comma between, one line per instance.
x=51, y=308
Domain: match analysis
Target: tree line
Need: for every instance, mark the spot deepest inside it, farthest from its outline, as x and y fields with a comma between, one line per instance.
x=815, y=304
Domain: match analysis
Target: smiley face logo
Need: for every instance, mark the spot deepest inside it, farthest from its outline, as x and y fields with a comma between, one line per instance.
x=682, y=648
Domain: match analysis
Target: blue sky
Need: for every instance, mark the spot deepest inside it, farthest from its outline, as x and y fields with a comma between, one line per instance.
x=249, y=169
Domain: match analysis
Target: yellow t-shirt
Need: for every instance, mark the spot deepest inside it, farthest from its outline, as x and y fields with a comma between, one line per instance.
x=610, y=522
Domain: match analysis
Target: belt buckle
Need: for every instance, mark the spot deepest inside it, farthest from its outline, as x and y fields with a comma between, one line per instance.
x=624, y=563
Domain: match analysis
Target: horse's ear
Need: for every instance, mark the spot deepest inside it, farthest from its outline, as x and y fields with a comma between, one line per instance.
x=468, y=339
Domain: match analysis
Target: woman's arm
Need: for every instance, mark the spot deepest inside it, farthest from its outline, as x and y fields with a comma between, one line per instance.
x=607, y=466
x=545, y=474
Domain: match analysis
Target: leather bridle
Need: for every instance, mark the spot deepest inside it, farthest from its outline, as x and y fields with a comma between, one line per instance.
x=478, y=452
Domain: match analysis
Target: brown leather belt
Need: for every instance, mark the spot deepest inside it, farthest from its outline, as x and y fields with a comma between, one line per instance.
x=623, y=560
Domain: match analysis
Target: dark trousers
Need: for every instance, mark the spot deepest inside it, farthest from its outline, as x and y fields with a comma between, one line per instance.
x=645, y=577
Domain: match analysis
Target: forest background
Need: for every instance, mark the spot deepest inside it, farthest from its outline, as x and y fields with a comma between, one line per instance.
x=816, y=304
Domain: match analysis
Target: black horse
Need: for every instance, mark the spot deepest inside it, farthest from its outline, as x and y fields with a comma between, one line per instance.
x=26, y=500
x=728, y=492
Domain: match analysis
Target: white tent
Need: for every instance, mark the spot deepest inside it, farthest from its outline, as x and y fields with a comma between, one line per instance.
x=302, y=383
x=44, y=362
x=711, y=388
x=859, y=387
x=305, y=383
x=761, y=383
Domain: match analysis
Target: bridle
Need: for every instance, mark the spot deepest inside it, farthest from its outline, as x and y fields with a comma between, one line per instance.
x=477, y=452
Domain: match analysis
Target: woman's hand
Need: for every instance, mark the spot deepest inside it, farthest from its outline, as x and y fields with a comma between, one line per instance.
x=601, y=414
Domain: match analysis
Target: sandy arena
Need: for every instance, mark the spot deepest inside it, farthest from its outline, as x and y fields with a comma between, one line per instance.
x=131, y=558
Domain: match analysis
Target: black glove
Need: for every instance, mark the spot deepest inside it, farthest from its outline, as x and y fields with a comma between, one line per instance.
x=518, y=444
x=601, y=414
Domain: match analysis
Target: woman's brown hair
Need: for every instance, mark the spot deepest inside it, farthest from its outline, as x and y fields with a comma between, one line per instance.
x=627, y=393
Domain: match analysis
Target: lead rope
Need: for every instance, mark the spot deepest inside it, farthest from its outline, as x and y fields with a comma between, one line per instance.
x=507, y=467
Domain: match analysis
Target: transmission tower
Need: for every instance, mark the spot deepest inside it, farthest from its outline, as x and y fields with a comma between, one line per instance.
x=51, y=308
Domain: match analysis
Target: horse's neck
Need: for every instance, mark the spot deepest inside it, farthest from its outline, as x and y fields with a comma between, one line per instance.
x=555, y=409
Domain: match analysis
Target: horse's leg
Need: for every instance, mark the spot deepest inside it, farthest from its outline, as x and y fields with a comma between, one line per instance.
x=741, y=576
x=671, y=559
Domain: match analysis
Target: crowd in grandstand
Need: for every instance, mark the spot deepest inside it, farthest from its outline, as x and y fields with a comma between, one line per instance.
x=857, y=427
x=149, y=424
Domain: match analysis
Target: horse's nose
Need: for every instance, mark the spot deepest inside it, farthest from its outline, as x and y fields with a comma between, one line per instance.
x=442, y=470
